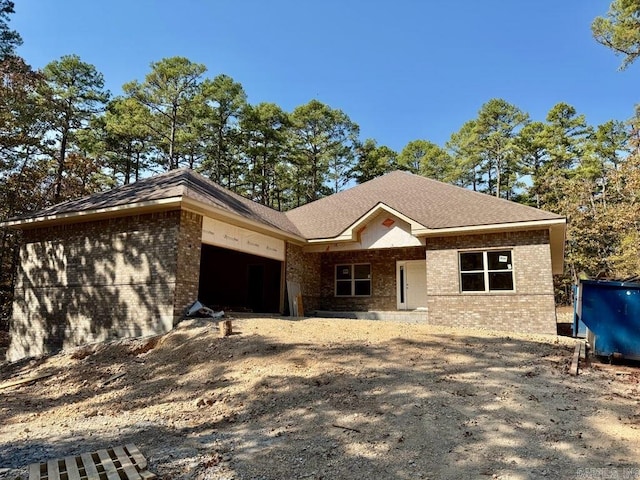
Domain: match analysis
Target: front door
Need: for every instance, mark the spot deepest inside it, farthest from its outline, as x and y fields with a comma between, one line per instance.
x=411, y=278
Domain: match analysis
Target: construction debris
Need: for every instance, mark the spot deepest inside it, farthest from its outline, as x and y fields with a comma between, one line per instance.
x=197, y=309
x=577, y=354
x=346, y=428
x=113, y=378
x=23, y=381
x=225, y=328
x=114, y=463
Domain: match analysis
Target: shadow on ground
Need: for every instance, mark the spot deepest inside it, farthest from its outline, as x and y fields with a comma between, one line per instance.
x=273, y=405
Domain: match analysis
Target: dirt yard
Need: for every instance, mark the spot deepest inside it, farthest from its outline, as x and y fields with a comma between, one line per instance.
x=329, y=399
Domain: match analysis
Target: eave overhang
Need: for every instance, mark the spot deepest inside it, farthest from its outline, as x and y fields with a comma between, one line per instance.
x=556, y=228
x=239, y=220
x=165, y=204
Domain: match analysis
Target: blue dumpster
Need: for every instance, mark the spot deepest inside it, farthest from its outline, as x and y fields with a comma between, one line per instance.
x=611, y=313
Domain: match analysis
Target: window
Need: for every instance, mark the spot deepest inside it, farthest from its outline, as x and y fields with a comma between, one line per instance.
x=353, y=280
x=488, y=271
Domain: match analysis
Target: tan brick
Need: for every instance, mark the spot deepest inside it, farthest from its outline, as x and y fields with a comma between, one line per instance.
x=92, y=281
x=530, y=308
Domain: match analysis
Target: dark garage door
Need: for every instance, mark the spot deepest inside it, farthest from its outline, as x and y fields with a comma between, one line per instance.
x=231, y=280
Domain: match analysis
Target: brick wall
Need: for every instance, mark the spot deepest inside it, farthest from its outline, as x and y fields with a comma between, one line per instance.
x=92, y=281
x=304, y=268
x=383, y=278
x=531, y=308
x=189, y=245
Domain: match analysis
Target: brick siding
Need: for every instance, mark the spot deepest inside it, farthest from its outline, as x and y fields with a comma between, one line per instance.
x=93, y=281
x=383, y=278
x=304, y=268
x=132, y=276
x=530, y=309
x=189, y=246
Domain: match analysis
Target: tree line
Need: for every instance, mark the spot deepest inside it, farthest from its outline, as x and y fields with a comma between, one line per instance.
x=63, y=135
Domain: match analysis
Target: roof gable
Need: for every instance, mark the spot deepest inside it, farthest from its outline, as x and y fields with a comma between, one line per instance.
x=352, y=231
x=382, y=229
x=432, y=204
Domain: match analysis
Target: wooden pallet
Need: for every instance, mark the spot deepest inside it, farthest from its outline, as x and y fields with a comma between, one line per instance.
x=117, y=463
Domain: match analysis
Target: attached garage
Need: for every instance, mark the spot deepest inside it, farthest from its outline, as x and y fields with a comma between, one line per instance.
x=240, y=269
x=236, y=281
x=128, y=262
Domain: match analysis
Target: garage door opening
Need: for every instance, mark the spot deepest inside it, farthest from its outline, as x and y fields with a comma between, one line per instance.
x=241, y=282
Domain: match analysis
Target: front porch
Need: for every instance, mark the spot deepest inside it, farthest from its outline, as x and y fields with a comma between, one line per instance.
x=414, y=316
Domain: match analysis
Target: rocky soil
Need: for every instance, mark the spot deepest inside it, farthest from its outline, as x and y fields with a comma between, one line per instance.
x=328, y=399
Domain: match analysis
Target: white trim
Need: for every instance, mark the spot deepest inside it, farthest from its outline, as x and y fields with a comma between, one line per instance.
x=557, y=237
x=383, y=230
x=238, y=220
x=179, y=202
x=85, y=215
x=351, y=232
x=529, y=225
x=556, y=227
x=422, y=231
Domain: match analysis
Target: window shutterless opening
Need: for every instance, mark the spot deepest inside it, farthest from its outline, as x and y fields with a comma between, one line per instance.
x=353, y=280
x=486, y=271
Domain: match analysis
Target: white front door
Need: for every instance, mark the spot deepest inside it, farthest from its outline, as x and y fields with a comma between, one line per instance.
x=411, y=278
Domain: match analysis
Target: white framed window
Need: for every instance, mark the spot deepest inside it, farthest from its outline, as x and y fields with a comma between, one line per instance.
x=353, y=280
x=486, y=271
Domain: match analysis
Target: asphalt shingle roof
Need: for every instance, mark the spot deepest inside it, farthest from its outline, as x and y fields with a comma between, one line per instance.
x=429, y=202
x=183, y=183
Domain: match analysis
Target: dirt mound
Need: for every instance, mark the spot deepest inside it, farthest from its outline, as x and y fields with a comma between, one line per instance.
x=326, y=399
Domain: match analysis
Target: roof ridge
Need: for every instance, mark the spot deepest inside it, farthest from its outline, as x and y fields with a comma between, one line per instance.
x=179, y=183
x=192, y=176
x=430, y=202
x=238, y=196
x=368, y=182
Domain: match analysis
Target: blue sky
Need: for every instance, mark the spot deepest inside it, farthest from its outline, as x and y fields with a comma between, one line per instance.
x=402, y=70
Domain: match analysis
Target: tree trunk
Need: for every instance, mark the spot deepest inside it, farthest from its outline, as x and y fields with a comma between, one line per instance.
x=61, y=158
x=137, y=165
x=172, y=139
x=127, y=173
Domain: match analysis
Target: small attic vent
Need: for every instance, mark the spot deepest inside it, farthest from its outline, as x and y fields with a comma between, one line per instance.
x=388, y=222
